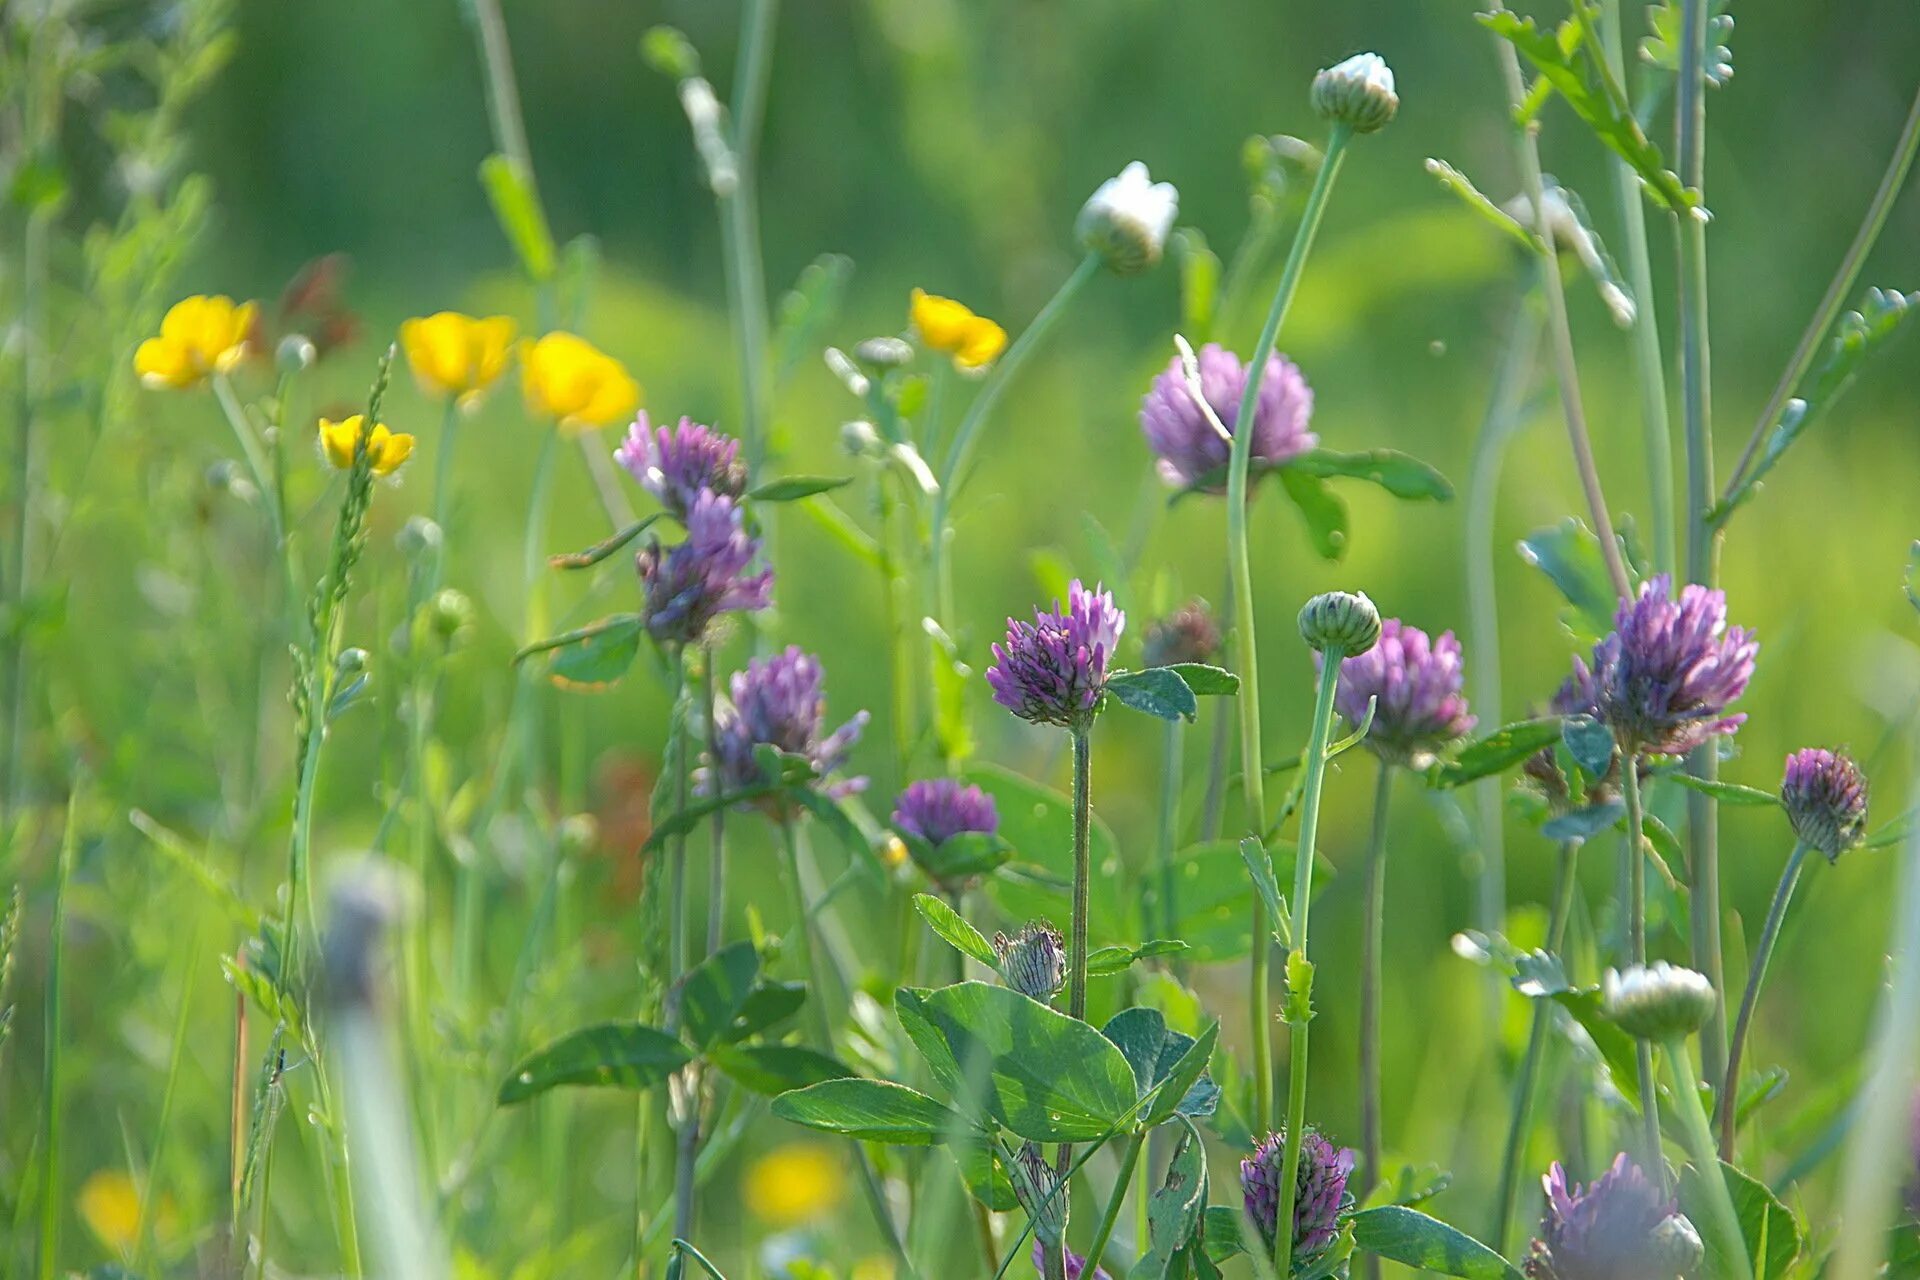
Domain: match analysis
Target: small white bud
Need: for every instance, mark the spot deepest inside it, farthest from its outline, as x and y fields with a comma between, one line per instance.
x=1357, y=93
x=1128, y=218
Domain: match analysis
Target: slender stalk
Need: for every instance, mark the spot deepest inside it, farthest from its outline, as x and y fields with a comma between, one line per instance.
x=1729, y=1095
x=1214, y=799
x=1520, y=1121
x=443, y=478
x=684, y=1092
x=1837, y=292
x=1637, y=954
x=1372, y=940
x=1082, y=886
x=1240, y=564
x=1169, y=922
x=143, y=1229
x=1560, y=329
x=1703, y=543
x=717, y=824
x=1299, y=1007
x=1129, y=1157
x=50, y=1197
x=1723, y=1222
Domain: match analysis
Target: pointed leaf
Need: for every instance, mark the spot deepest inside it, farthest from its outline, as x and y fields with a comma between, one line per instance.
x=1728, y=792
x=1400, y=474
x=1497, y=751
x=714, y=991
x=952, y=926
x=794, y=488
x=626, y=1055
x=599, y=551
x=1158, y=691
x=871, y=1111
x=1410, y=1237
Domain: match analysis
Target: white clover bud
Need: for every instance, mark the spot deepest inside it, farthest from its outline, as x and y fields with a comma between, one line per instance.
x=1343, y=620
x=1657, y=1001
x=1357, y=93
x=1127, y=220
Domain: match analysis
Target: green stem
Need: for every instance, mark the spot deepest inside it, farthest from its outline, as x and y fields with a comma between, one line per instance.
x=1129, y=1157
x=1299, y=1008
x=1372, y=942
x=1520, y=1121
x=1637, y=954
x=1729, y=1245
x=1240, y=564
x=687, y=1124
x=143, y=1229
x=50, y=1197
x=1169, y=921
x=443, y=483
x=1729, y=1096
x=717, y=824
x=1082, y=887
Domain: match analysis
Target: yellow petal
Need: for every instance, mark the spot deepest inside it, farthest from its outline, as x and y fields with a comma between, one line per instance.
x=941, y=323
x=165, y=363
x=982, y=345
x=492, y=347
x=793, y=1184
x=436, y=351
x=337, y=439
x=386, y=450
x=109, y=1204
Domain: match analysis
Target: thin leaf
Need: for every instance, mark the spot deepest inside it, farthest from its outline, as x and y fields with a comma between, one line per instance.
x=516, y=206
x=1400, y=474
x=1502, y=749
x=871, y=1111
x=1462, y=186
x=625, y=1055
x=599, y=551
x=794, y=488
x=1728, y=792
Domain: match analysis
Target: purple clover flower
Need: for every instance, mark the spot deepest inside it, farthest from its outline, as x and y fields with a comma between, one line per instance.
x=689, y=585
x=1188, y=634
x=675, y=464
x=1825, y=796
x=1415, y=684
x=1194, y=455
x=1320, y=1195
x=1076, y=1265
x=1618, y=1227
x=1663, y=679
x=779, y=702
x=938, y=809
x=1053, y=670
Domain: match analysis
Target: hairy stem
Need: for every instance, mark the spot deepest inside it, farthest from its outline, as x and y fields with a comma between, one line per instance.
x=1372, y=940
x=1729, y=1095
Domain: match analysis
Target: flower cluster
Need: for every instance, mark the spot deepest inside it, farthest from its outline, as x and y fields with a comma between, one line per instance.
x=1663, y=679
x=1825, y=796
x=688, y=586
x=1053, y=670
x=676, y=464
x=1618, y=1227
x=1191, y=451
x=1414, y=684
x=1320, y=1190
x=779, y=702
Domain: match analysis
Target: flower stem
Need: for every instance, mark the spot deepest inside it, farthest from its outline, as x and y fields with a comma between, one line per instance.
x=1730, y=1247
x=1370, y=947
x=717, y=823
x=443, y=480
x=1637, y=954
x=1729, y=1096
x=50, y=1198
x=1122, y=1179
x=1169, y=921
x=1525, y=1087
x=1082, y=871
x=1240, y=564
x=684, y=1090
x=1299, y=1002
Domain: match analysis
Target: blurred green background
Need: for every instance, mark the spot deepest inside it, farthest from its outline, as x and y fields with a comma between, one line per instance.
x=948, y=145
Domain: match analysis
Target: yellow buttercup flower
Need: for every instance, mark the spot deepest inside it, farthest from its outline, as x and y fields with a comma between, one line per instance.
x=110, y=1206
x=579, y=386
x=457, y=355
x=386, y=450
x=793, y=1184
x=199, y=337
x=953, y=329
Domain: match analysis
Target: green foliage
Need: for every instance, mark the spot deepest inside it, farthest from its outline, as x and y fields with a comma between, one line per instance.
x=1412, y=1238
x=872, y=1111
x=626, y=1055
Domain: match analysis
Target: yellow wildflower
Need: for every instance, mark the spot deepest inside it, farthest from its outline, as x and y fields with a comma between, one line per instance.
x=570, y=380
x=953, y=329
x=199, y=337
x=386, y=450
x=110, y=1206
x=457, y=355
x=793, y=1184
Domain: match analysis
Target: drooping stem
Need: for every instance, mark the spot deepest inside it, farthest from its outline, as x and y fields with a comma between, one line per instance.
x=1703, y=542
x=1520, y=1121
x=1240, y=565
x=1637, y=953
x=1299, y=1002
x=1372, y=939
x=1559, y=328
x=1122, y=1179
x=1729, y=1095
x=1729, y=1245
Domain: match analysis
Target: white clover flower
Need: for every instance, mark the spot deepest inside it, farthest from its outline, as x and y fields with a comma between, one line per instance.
x=1357, y=93
x=1127, y=220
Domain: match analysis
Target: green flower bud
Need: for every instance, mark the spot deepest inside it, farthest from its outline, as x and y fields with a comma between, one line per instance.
x=450, y=613
x=1657, y=1001
x=1033, y=961
x=881, y=354
x=1357, y=93
x=1343, y=620
x=1677, y=1246
x=419, y=537
x=295, y=354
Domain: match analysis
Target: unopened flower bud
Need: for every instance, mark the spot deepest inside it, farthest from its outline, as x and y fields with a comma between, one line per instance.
x=1357, y=93
x=1127, y=220
x=1676, y=1246
x=1825, y=795
x=418, y=537
x=1037, y=1187
x=1188, y=634
x=295, y=353
x=450, y=612
x=881, y=354
x=226, y=476
x=859, y=438
x=1657, y=1001
x=1343, y=620
x=1033, y=961
x=351, y=662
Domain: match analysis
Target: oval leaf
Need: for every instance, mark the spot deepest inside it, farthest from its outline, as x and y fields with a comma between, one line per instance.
x=952, y=926
x=870, y=1110
x=1410, y=1237
x=1400, y=474
x=626, y=1055
x=1158, y=691
x=1501, y=749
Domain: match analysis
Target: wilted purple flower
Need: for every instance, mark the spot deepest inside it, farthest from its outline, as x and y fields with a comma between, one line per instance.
x=693, y=582
x=1053, y=670
x=1662, y=680
x=1320, y=1194
x=1414, y=683
x=675, y=463
x=938, y=809
x=1825, y=795
x=1188, y=634
x=1619, y=1227
x=1192, y=453
x=778, y=702
x=1076, y=1265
